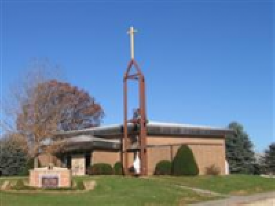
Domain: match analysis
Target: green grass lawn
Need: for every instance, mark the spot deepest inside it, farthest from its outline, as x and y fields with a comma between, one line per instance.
x=162, y=190
x=232, y=184
x=110, y=190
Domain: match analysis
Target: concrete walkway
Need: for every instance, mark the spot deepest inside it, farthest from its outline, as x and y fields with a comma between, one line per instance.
x=267, y=202
x=263, y=199
x=203, y=192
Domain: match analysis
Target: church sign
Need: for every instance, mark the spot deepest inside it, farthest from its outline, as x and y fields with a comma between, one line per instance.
x=50, y=177
x=49, y=181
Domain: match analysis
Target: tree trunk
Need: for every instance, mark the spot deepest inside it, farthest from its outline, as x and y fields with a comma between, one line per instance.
x=50, y=160
x=36, y=162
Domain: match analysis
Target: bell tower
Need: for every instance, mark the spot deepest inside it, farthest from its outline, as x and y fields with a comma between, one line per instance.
x=139, y=120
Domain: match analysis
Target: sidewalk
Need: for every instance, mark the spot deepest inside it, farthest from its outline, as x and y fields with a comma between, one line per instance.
x=267, y=202
x=262, y=199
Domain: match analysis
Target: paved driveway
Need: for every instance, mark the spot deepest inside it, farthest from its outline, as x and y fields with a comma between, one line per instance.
x=266, y=202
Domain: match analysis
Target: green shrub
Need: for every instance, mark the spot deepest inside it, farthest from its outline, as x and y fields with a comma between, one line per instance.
x=118, y=169
x=80, y=185
x=163, y=168
x=29, y=165
x=19, y=185
x=213, y=170
x=101, y=169
x=13, y=156
x=184, y=162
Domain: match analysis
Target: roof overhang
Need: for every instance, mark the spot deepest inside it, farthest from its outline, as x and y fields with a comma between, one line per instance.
x=89, y=142
x=153, y=128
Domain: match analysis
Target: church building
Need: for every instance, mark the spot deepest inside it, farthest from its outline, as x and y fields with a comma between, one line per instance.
x=103, y=145
x=140, y=143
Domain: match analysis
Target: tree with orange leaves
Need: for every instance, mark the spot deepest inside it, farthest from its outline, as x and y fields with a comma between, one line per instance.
x=38, y=105
x=55, y=106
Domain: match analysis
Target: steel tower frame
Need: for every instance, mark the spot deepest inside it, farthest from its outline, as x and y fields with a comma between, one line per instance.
x=140, y=122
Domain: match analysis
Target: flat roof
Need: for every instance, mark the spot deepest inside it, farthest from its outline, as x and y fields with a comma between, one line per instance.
x=107, y=137
x=88, y=142
x=153, y=128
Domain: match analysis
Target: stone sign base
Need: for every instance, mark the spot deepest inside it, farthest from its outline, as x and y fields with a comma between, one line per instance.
x=47, y=177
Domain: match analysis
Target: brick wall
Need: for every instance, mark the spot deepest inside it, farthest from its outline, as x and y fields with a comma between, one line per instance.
x=101, y=156
x=64, y=176
x=207, y=151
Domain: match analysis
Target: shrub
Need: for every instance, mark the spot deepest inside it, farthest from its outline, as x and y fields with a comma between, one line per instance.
x=101, y=169
x=19, y=185
x=163, y=168
x=184, y=162
x=89, y=170
x=80, y=185
x=213, y=170
x=13, y=156
x=29, y=165
x=118, y=169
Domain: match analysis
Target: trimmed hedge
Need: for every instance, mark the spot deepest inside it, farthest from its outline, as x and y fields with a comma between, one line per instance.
x=100, y=169
x=118, y=170
x=163, y=167
x=184, y=162
x=19, y=185
x=80, y=185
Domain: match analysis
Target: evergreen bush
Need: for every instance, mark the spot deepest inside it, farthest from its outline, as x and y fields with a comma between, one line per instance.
x=184, y=162
x=268, y=160
x=13, y=156
x=163, y=167
x=239, y=150
x=101, y=169
x=29, y=165
x=80, y=185
x=118, y=169
x=19, y=185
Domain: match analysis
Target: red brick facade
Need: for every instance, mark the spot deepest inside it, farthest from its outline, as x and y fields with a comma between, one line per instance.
x=109, y=157
x=207, y=151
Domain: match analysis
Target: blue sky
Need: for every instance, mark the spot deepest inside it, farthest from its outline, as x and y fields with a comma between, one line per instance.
x=205, y=62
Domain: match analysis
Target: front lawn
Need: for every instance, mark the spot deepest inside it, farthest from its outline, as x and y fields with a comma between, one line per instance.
x=232, y=184
x=110, y=190
x=156, y=190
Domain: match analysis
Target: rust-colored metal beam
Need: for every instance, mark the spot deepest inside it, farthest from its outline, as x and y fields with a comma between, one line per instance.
x=141, y=120
x=134, y=76
x=125, y=130
x=143, y=128
x=142, y=133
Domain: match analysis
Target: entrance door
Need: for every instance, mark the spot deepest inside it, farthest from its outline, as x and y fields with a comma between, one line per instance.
x=78, y=164
x=88, y=160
